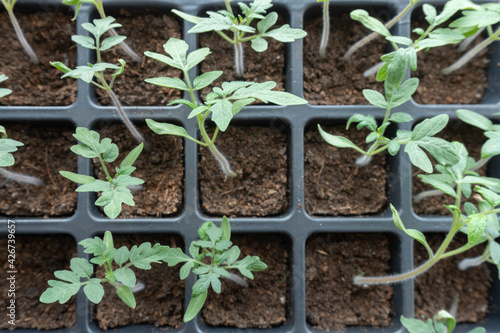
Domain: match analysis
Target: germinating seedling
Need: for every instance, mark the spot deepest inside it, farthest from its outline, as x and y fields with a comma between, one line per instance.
x=7, y=147
x=114, y=190
x=214, y=245
x=9, y=6
x=118, y=265
x=221, y=104
x=239, y=27
x=100, y=9
x=91, y=71
x=443, y=322
x=374, y=34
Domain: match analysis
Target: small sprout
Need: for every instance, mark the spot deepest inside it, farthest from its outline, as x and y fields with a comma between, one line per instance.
x=365, y=40
x=222, y=104
x=100, y=8
x=443, y=322
x=121, y=276
x=7, y=147
x=239, y=26
x=214, y=245
x=325, y=35
x=115, y=191
x=91, y=71
x=9, y=6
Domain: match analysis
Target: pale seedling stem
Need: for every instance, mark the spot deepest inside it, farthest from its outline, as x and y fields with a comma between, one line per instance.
x=326, y=29
x=20, y=178
x=493, y=36
x=237, y=42
x=466, y=42
x=9, y=6
x=370, y=37
x=434, y=258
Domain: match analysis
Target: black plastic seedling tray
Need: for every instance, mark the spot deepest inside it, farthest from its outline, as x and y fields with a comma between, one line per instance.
x=295, y=225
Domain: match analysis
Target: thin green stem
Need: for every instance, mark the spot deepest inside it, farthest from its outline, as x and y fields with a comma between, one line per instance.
x=471, y=53
x=325, y=35
x=366, y=158
x=20, y=36
x=105, y=169
x=372, y=36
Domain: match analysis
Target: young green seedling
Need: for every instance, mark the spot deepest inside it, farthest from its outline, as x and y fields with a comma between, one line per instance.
x=100, y=9
x=365, y=40
x=239, y=27
x=7, y=147
x=91, y=71
x=325, y=35
x=115, y=189
x=443, y=322
x=473, y=22
x=104, y=254
x=221, y=104
x=9, y=6
x=214, y=245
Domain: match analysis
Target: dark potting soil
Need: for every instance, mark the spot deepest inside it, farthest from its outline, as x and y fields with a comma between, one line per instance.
x=259, y=157
x=437, y=288
x=162, y=169
x=259, y=66
x=144, y=33
x=334, y=184
x=44, y=154
x=36, y=260
x=333, y=81
x=49, y=34
x=464, y=86
x=473, y=139
x=159, y=304
x=263, y=303
x=332, y=300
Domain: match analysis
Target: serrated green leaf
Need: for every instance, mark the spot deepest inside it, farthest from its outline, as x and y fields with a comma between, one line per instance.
x=121, y=255
x=85, y=41
x=206, y=79
x=68, y=276
x=435, y=181
x=97, y=186
x=476, y=227
x=413, y=233
x=443, y=151
x=222, y=114
x=495, y=252
x=81, y=267
x=109, y=42
x=375, y=98
x=418, y=157
x=404, y=92
x=175, y=256
x=492, y=146
x=59, y=291
x=474, y=119
x=370, y=22
x=429, y=127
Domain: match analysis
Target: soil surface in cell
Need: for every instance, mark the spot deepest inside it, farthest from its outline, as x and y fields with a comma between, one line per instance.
x=160, y=303
x=334, y=81
x=444, y=283
x=144, y=33
x=161, y=168
x=263, y=303
x=333, y=302
x=36, y=260
x=334, y=184
x=473, y=139
x=259, y=157
x=466, y=85
x=44, y=154
x=49, y=35
x=259, y=66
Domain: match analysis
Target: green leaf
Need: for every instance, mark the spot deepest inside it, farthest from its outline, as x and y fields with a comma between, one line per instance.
x=393, y=147
x=476, y=227
x=400, y=117
x=491, y=197
x=94, y=291
x=400, y=40
x=169, y=82
x=415, y=325
x=363, y=121
x=175, y=256
x=476, y=19
x=430, y=13
x=443, y=151
x=226, y=229
x=121, y=255
x=404, y=92
x=126, y=276
x=77, y=178
x=413, y=233
x=418, y=157
x=132, y=156
x=495, y=252
x=429, y=127
x=222, y=114
x=59, y=291
x=396, y=72
x=375, y=98
x=259, y=44
x=195, y=305
x=111, y=41
x=68, y=276
x=437, y=182
x=264, y=25
x=85, y=41
x=492, y=146
x=187, y=17
x=197, y=56
x=475, y=119
x=170, y=129
x=285, y=34
x=370, y=22
x=206, y=79
x=81, y=267
x=447, y=318
x=126, y=296
x=215, y=22
x=97, y=186
x=338, y=141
